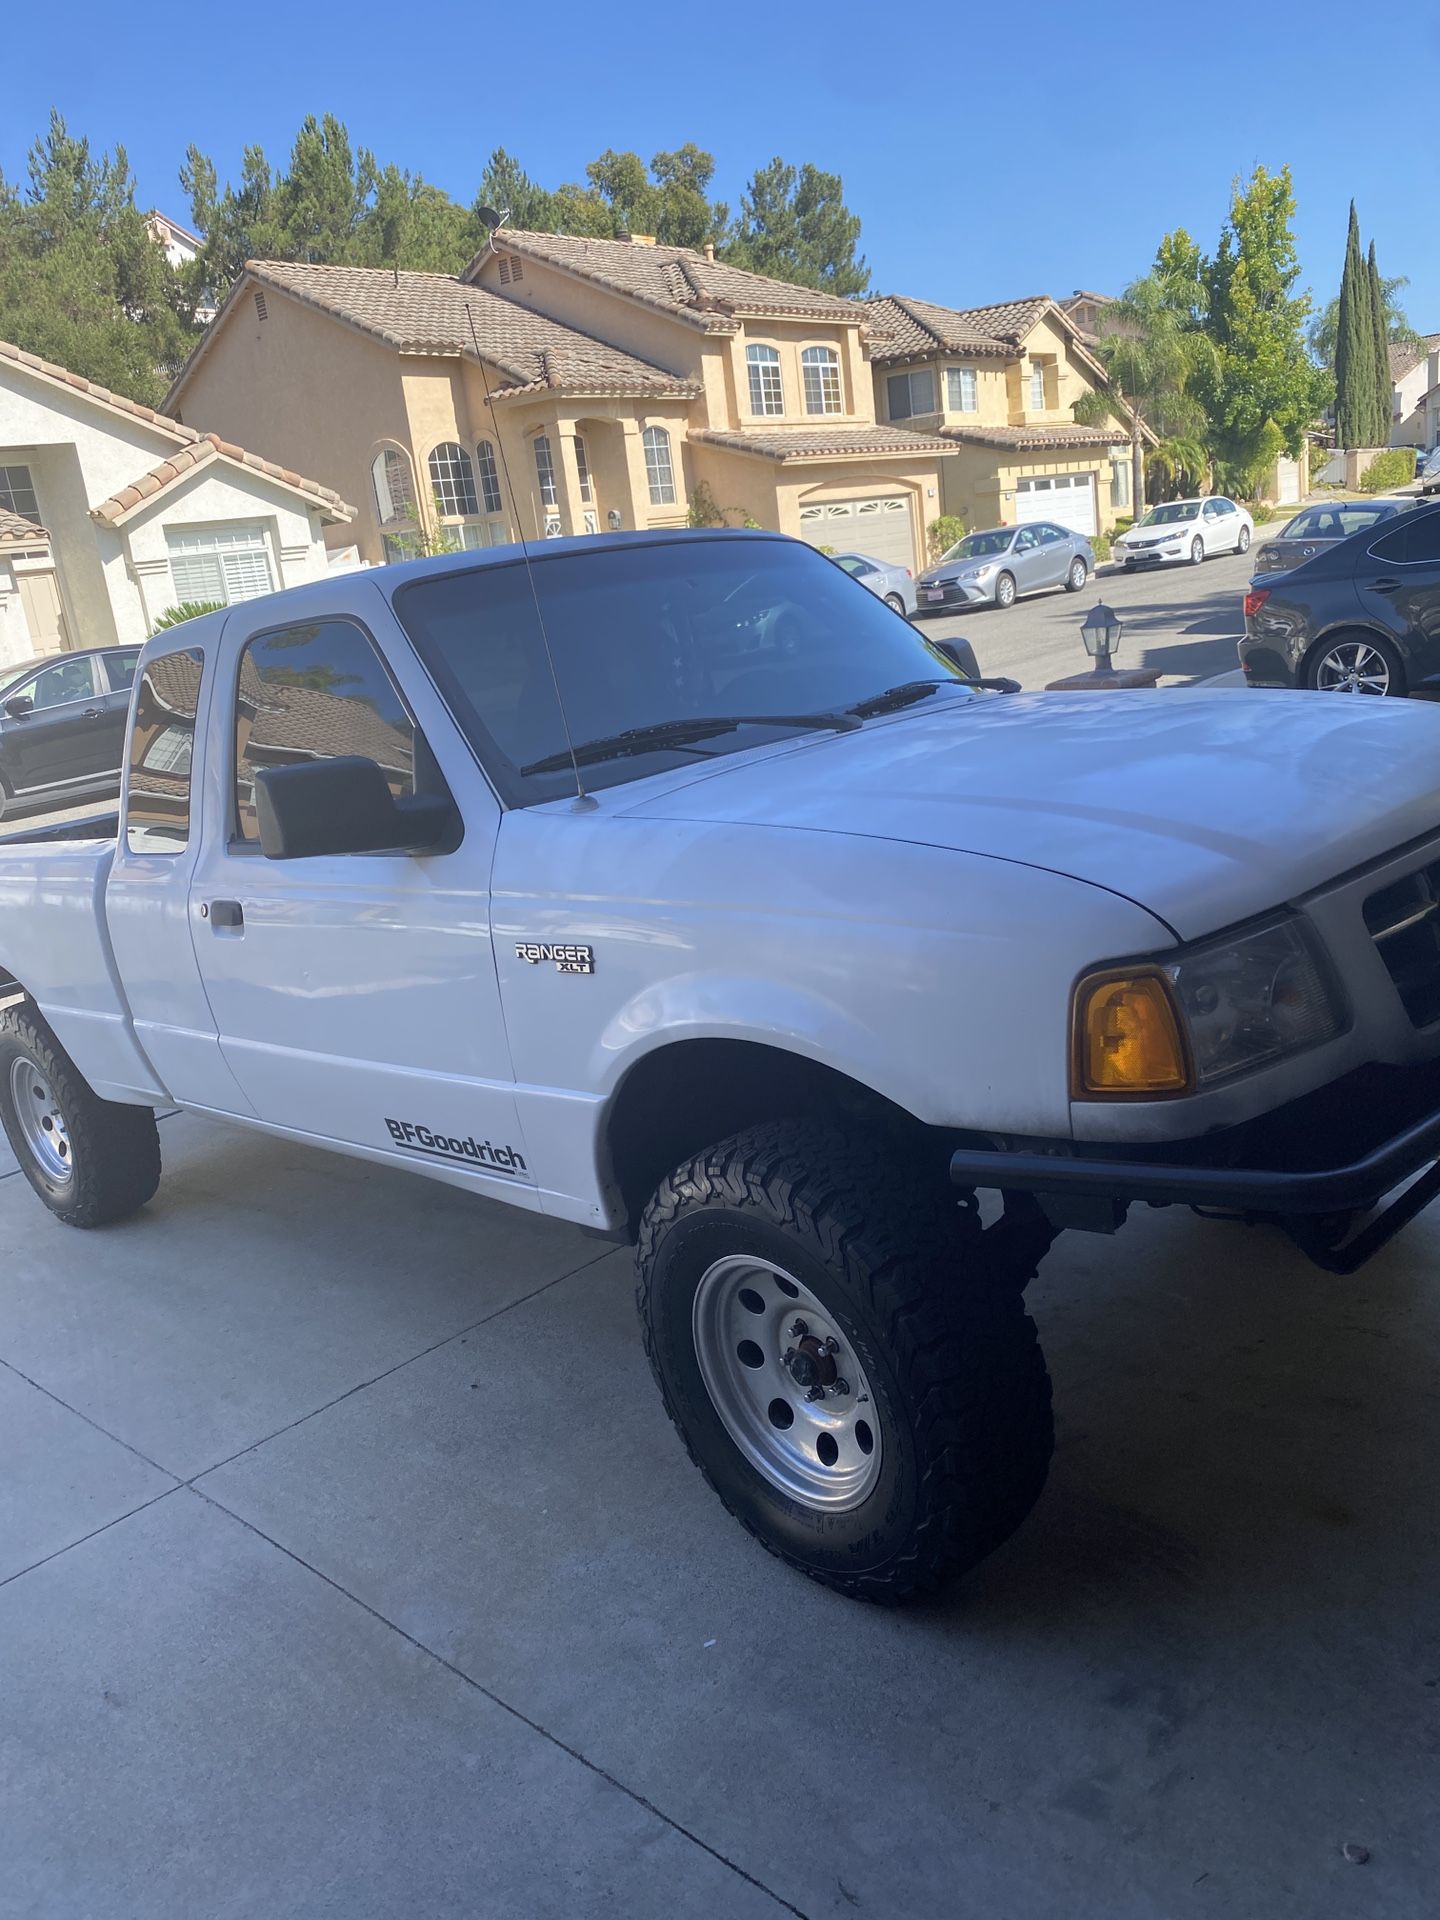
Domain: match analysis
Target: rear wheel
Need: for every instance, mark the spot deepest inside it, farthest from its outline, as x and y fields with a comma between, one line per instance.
x=851, y=1371
x=90, y=1160
x=1005, y=590
x=1077, y=576
x=1356, y=663
x=894, y=600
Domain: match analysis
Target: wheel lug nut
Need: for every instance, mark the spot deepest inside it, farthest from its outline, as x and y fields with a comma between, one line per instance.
x=841, y=1386
x=832, y=1345
x=799, y=1330
x=816, y=1393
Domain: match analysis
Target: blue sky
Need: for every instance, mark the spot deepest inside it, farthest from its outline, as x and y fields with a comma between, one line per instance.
x=991, y=153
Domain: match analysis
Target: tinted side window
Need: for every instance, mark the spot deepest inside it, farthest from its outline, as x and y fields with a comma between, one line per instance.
x=120, y=668
x=1390, y=546
x=316, y=692
x=66, y=681
x=1422, y=543
x=162, y=740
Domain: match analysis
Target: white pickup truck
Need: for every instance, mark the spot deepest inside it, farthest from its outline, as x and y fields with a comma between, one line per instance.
x=677, y=887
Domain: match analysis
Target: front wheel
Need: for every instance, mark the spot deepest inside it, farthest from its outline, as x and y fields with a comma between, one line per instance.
x=90, y=1160
x=847, y=1368
x=1197, y=551
x=1356, y=663
x=1077, y=576
x=1005, y=590
x=1242, y=545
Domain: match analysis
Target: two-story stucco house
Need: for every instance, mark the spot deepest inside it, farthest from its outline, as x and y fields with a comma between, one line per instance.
x=998, y=385
x=1414, y=374
x=565, y=385
x=110, y=513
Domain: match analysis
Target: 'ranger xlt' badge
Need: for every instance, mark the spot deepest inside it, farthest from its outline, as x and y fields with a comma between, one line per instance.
x=567, y=959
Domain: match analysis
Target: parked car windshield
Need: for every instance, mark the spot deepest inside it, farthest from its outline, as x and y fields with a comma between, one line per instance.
x=1166, y=516
x=650, y=634
x=9, y=675
x=976, y=545
x=1338, y=521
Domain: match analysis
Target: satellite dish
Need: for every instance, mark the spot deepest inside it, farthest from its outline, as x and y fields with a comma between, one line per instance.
x=491, y=219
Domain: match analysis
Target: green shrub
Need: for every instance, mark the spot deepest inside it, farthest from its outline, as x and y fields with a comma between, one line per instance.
x=1260, y=511
x=1393, y=468
x=187, y=610
x=942, y=534
x=1122, y=525
x=1101, y=545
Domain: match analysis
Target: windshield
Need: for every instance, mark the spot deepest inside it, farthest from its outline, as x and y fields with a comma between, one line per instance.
x=1335, y=523
x=975, y=546
x=656, y=635
x=1168, y=515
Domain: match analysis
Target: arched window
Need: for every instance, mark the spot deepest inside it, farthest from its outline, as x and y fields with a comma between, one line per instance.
x=394, y=486
x=820, y=367
x=489, y=477
x=545, y=471
x=766, y=393
x=453, y=479
x=659, y=470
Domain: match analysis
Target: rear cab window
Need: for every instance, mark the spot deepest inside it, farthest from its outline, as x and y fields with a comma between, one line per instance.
x=162, y=746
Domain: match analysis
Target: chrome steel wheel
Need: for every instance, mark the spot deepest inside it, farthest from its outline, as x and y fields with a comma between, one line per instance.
x=42, y=1125
x=786, y=1384
x=1352, y=666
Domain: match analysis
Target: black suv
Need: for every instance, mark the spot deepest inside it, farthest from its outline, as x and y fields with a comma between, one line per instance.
x=1362, y=616
x=62, y=727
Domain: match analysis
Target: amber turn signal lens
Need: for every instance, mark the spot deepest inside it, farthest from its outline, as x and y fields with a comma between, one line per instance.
x=1127, y=1039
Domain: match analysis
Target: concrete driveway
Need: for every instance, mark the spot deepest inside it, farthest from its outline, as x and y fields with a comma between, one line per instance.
x=350, y=1568
x=1184, y=620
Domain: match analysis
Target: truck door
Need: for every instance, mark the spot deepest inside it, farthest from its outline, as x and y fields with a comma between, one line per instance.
x=356, y=995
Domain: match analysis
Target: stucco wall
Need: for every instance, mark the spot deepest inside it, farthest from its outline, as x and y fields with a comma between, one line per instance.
x=306, y=391
x=978, y=483
x=673, y=344
x=789, y=339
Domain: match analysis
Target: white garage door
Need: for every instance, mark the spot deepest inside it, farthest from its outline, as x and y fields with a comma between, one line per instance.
x=1067, y=498
x=880, y=528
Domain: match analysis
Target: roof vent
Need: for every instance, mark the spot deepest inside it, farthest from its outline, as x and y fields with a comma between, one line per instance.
x=642, y=239
x=709, y=251
x=504, y=269
x=260, y=312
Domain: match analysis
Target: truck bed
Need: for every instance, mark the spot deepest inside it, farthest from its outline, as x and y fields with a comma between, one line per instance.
x=104, y=825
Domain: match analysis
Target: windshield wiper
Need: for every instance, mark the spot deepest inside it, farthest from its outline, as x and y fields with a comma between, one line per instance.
x=905, y=695
x=681, y=733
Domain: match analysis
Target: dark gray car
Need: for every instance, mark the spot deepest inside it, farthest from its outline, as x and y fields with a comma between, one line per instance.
x=62, y=726
x=1321, y=525
x=992, y=569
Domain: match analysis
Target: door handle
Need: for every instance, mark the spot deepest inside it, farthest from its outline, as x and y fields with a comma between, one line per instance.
x=1385, y=586
x=93, y=713
x=225, y=916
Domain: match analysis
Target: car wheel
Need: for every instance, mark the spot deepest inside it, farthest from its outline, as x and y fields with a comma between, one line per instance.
x=1005, y=590
x=1197, y=551
x=1242, y=545
x=1356, y=663
x=1079, y=573
x=894, y=600
x=848, y=1365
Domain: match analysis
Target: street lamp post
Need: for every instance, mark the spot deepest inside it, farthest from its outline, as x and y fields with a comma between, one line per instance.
x=1101, y=630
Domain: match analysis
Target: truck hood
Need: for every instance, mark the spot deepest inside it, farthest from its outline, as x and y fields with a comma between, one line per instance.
x=1204, y=807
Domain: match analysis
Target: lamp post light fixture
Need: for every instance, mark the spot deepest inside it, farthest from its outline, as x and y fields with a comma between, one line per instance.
x=1100, y=630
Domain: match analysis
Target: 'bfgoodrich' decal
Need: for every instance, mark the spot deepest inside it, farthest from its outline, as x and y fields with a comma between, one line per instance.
x=483, y=1155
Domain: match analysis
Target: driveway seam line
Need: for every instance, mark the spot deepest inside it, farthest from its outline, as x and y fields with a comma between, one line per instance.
x=20, y=1374
x=496, y=1699
x=70, y=1545
x=409, y=1361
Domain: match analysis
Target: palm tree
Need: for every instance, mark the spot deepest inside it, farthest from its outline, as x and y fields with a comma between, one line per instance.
x=1151, y=351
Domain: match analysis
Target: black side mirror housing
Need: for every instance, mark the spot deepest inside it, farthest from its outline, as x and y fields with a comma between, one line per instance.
x=345, y=806
x=961, y=655
x=19, y=706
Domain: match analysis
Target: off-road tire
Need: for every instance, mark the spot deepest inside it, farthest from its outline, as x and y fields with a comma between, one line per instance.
x=1005, y=591
x=936, y=1320
x=115, y=1148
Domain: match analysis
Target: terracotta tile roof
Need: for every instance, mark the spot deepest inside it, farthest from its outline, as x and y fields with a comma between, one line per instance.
x=906, y=329
x=431, y=313
x=1403, y=358
x=202, y=446
x=17, y=531
x=1072, y=435
x=677, y=280
x=822, y=443
x=202, y=450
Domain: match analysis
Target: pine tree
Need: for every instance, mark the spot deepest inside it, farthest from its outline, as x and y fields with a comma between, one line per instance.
x=1355, y=372
x=795, y=226
x=1384, y=386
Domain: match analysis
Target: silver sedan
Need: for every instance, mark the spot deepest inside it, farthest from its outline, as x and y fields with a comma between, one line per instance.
x=895, y=585
x=993, y=568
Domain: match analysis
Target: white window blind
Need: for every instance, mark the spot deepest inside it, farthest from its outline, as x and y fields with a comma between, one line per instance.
x=961, y=395
x=220, y=563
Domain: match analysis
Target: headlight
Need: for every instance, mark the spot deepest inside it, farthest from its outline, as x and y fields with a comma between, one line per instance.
x=977, y=573
x=1213, y=1010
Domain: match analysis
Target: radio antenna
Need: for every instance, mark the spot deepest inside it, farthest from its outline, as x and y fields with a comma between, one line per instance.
x=583, y=800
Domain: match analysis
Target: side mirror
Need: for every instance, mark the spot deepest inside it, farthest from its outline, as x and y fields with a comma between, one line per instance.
x=19, y=706
x=346, y=806
x=961, y=655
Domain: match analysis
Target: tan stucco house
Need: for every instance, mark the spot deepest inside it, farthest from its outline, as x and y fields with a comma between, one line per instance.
x=998, y=386
x=1414, y=373
x=565, y=385
x=110, y=513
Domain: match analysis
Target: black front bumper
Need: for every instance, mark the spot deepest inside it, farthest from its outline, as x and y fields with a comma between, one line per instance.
x=1343, y=1168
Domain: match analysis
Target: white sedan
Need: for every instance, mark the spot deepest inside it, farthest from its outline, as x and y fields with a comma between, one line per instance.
x=1186, y=530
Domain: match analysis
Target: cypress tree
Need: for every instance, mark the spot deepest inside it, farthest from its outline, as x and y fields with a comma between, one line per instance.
x=1355, y=372
x=1384, y=388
